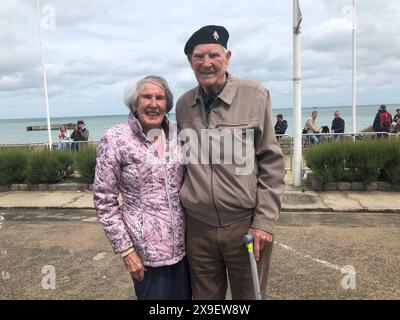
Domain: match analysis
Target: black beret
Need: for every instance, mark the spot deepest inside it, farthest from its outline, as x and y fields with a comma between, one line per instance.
x=205, y=35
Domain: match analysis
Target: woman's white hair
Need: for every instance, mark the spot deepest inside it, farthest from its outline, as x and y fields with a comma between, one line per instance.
x=132, y=92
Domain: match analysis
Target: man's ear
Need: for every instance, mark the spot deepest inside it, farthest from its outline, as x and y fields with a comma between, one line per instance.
x=189, y=57
x=228, y=56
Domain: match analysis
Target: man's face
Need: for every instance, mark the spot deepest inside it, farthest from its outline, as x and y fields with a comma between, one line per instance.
x=279, y=119
x=209, y=63
x=314, y=115
x=337, y=115
x=152, y=106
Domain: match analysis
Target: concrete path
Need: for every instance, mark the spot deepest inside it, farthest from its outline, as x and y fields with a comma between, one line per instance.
x=64, y=254
x=295, y=199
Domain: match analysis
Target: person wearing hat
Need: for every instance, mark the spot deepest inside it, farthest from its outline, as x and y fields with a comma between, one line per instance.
x=225, y=200
x=79, y=134
x=137, y=159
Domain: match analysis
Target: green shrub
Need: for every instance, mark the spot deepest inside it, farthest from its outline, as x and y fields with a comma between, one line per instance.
x=365, y=161
x=49, y=166
x=85, y=163
x=328, y=161
x=368, y=158
x=391, y=171
x=13, y=163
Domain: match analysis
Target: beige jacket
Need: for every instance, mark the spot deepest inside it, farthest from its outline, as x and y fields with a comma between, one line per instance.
x=225, y=193
x=312, y=126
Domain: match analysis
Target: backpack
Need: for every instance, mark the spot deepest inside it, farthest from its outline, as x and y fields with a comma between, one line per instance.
x=325, y=129
x=384, y=119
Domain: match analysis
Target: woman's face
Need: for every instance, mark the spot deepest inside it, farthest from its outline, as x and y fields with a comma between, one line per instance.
x=152, y=105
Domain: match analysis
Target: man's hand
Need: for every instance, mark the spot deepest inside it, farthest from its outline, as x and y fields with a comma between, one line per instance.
x=261, y=239
x=135, y=266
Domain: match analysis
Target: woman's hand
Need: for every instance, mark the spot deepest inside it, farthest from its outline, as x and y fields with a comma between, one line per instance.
x=135, y=266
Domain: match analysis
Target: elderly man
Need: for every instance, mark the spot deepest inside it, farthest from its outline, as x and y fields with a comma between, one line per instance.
x=225, y=200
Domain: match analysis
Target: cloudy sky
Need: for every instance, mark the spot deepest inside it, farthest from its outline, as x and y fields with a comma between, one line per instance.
x=94, y=49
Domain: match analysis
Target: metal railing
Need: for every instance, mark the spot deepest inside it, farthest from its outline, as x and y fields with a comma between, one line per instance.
x=58, y=145
x=72, y=145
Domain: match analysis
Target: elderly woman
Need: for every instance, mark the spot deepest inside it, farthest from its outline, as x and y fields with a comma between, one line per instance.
x=138, y=159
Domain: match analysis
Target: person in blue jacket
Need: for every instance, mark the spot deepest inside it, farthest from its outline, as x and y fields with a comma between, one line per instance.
x=281, y=125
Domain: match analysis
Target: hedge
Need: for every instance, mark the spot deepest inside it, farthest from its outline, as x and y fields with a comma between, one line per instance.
x=347, y=161
x=12, y=166
x=34, y=167
x=49, y=166
x=85, y=163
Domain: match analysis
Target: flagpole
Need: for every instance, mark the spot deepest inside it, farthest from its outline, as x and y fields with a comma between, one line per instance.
x=354, y=104
x=46, y=97
x=297, y=131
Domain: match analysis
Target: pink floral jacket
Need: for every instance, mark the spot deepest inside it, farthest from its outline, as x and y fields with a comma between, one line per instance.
x=151, y=218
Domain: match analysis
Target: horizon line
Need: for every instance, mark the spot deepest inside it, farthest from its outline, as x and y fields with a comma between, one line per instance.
x=110, y=115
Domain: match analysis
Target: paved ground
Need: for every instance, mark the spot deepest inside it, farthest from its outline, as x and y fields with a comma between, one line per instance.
x=294, y=199
x=311, y=252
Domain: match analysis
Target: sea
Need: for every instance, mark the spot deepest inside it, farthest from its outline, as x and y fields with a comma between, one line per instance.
x=15, y=130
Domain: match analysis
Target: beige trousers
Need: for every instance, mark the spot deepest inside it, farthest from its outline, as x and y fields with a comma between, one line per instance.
x=217, y=253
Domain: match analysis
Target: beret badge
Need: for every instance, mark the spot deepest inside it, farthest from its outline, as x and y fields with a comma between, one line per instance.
x=216, y=35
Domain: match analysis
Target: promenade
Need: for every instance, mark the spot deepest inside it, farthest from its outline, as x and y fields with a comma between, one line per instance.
x=322, y=240
x=294, y=200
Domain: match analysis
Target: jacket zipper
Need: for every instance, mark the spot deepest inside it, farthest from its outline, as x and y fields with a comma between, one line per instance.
x=207, y=121
x=166, y=149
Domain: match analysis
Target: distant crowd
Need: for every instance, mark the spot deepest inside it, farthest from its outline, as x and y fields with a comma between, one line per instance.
x=383, y=122
x=71, y=142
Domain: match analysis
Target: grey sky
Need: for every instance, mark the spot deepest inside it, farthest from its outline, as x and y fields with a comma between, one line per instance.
x=99, y=47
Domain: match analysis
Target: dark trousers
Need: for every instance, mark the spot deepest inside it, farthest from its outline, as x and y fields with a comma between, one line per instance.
x=165, y=283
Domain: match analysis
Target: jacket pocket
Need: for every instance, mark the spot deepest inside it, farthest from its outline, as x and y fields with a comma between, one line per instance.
x=235, y=192
x=158, y=236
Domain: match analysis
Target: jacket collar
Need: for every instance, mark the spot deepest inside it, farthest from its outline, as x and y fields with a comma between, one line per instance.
x=227, y=95
x=136, y=126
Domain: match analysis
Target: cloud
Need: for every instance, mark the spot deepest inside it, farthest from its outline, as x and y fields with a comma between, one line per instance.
x=99, y=47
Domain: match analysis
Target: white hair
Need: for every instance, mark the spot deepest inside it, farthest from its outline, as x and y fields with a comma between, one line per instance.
x=132, y=92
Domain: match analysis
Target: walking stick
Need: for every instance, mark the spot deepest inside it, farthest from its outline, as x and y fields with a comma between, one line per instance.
x=248, y=241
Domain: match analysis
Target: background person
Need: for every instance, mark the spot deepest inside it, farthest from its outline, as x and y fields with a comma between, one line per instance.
x=395, y=124
x=383, y=120
x=63, y=138
x=79, y=134
x=338, y=124
x=281, y=125
x=397, y=115
x=311, y=126
x=137, y=159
